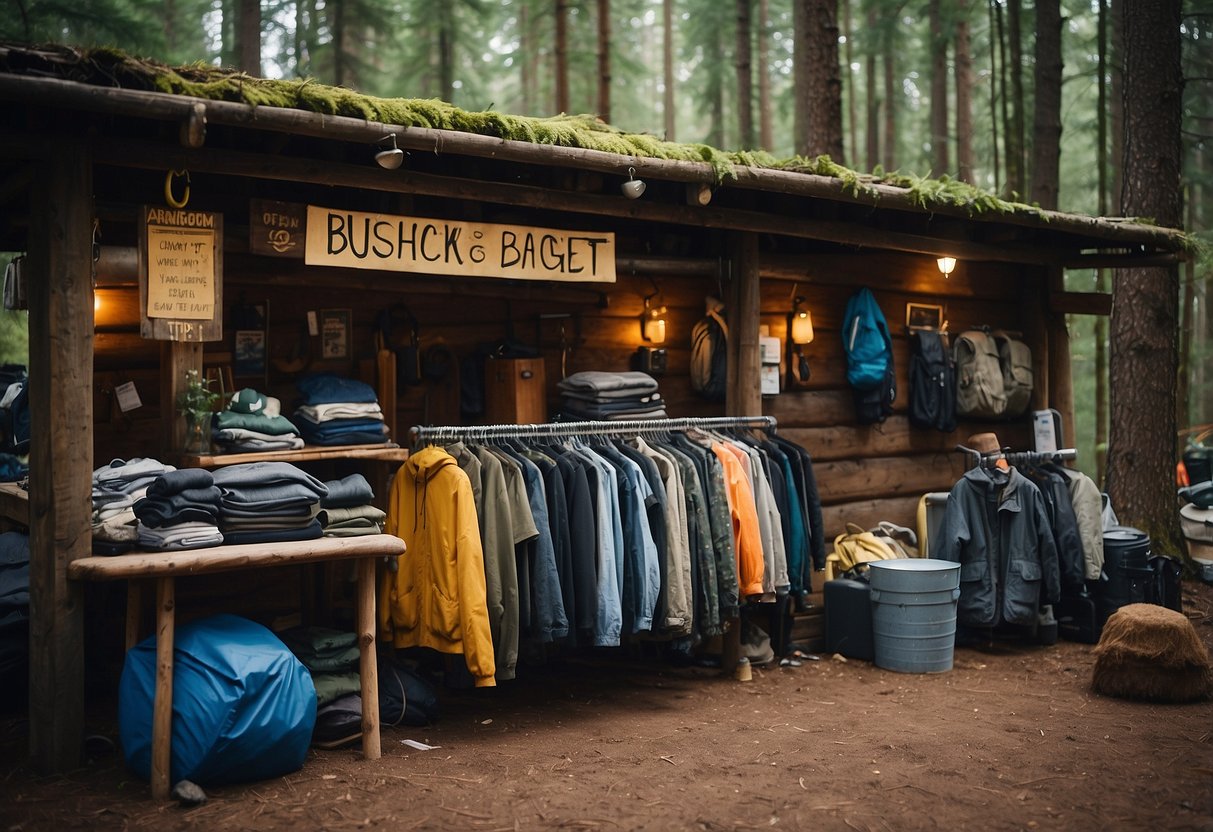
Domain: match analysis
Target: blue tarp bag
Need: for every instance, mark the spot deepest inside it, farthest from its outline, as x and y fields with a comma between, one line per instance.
x=866, y=341
x=243, y=706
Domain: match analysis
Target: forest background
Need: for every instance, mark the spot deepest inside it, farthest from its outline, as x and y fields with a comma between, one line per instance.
x=1019, y=98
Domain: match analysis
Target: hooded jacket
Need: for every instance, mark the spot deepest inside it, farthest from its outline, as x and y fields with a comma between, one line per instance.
x=436, y=597
x=997, y=528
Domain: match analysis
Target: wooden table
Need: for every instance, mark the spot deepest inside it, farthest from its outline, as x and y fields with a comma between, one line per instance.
x=166, y=566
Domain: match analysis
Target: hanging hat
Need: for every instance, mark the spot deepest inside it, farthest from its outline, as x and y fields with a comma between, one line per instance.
x=987, y=443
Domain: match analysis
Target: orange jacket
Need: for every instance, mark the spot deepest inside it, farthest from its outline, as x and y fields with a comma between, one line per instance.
x=436, y=597
x=747, y=539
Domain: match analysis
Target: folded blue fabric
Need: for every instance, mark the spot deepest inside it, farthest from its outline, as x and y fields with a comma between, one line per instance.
x=237, y=481
x=353, y=490
x=326, y=388
x=310, y=532
x=174, y=482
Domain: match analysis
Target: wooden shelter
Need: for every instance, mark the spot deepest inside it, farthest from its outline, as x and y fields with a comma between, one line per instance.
x=85, y=161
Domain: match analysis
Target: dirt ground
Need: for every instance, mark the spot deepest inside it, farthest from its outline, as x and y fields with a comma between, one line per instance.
x=1011, y=738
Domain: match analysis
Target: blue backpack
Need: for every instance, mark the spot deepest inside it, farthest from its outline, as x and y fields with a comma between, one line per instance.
x=866, y=342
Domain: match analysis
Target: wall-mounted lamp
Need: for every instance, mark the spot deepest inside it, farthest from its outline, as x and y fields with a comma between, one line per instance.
x=652, y=322
x=392, y=157
x=633, y=188
x=946, y=265
x=800, y=333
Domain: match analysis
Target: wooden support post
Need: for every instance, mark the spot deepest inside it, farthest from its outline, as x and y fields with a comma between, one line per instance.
x=744, y=397
x=61, y=450
x=368, y=666
x=1060, y=381
x=176, y=359
x=162, y=709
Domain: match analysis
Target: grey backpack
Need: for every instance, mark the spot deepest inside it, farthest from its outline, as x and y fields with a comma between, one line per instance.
x=1016, y=360
x=980, y=390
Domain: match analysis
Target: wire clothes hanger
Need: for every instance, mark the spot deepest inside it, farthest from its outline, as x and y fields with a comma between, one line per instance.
x=431, y=434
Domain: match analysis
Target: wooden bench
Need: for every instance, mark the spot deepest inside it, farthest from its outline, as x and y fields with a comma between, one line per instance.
x=165, y=567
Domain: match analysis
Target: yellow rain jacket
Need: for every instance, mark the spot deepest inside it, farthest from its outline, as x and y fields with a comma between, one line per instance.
x=436, y=596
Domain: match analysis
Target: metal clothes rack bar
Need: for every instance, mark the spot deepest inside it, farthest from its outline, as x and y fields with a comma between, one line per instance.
x=450, y=433
x=988, y=459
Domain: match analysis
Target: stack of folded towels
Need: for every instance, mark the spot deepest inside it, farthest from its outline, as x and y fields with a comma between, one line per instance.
x=254, y=422
x=339, y=411
x=598, y=395
x=180, y=511
x=347, y=512
x=116, y=488
x=268, y=502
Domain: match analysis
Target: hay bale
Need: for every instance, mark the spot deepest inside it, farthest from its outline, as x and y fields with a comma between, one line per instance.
x=1152, y=653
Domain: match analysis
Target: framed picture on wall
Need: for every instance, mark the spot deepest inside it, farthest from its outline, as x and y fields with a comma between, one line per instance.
x=924, y=316
x=335, y=333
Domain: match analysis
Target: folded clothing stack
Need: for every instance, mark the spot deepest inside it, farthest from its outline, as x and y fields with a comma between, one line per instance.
x=268, y=502
x=347, y=512
x=339, y=411
x=253, y=422
x=180, y=511
x=116, y=488
x=598, y=395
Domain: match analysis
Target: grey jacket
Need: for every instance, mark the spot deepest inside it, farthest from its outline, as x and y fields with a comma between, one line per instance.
x=997, y=528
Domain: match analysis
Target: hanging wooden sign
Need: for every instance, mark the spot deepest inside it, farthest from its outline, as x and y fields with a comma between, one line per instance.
x=180, y=274
x=276, y=229
x=384, y=242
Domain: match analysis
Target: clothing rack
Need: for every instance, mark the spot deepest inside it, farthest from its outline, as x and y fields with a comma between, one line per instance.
x=451, y=433
x=988, y=459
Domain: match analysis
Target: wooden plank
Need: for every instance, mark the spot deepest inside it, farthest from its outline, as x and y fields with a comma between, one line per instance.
x=1061, y=384
x=884, y=477
x=61, y=406
x=228, y=558
x=310, y=453
x=367, y=665
x=898, y=271
x=1081, y=303
x=14, y=503
x=896, y=436
x=867, y=513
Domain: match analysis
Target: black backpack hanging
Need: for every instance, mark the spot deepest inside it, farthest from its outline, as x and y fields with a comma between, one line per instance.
x=932, y=382
x=398, y=329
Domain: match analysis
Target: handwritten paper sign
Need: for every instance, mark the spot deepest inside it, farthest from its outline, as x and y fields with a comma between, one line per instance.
x=384, y=242
x=181, y=274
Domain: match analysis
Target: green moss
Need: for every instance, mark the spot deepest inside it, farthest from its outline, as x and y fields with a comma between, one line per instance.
x=111, y=67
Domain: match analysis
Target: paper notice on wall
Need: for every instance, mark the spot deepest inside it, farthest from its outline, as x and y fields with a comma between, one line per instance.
x=128, y=397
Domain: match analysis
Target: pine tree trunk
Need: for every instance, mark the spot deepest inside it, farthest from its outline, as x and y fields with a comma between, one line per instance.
x=562, y=56
x=892, y=94
x=249, y=36
x=1101, y=276
x=525, y=48
x=446, y=52
x=339, y=63
x=1187, y=322
x=871, y=93
x=1116, y=7
x=716, y=94
x=800, y=76
x=743, y=64
x=964, y=95
x=1016, y=178
x=822, y=97
x=300, y=37
x=849, y=83
x=1046, y=123
x=995, y=43
x=939, y=91
x=1004, y=86
x=766, y=131
x=1141, y=451
x=667, y=50
x=604, y=60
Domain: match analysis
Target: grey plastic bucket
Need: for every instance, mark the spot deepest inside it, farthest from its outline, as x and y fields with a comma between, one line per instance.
x=914, y=613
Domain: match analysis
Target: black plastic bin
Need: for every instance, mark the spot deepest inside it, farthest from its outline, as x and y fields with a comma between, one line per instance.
x=848, y=611
x=1127, y=578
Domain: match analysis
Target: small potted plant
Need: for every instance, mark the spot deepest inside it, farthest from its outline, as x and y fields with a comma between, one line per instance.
x=196, y=403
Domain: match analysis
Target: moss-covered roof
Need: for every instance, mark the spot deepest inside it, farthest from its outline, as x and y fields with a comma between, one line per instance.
x=114, y=68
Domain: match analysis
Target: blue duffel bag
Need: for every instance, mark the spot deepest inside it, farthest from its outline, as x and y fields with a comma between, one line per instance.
x=243, y=705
